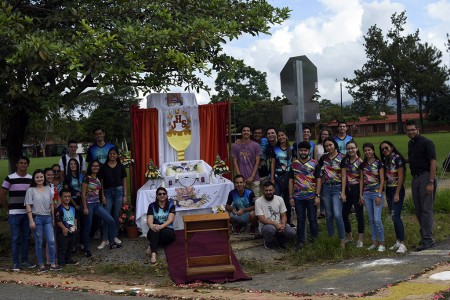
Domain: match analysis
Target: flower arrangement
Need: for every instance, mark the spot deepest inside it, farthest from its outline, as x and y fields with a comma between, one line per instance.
x=219, y=167
x=127, y=217
x=152, y=171
x=125, y=159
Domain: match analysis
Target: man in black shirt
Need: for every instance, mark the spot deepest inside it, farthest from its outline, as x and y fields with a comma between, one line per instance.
x=422, y=162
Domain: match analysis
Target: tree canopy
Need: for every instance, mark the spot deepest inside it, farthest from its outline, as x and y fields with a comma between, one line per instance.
x=52, y=51
x=398, y=67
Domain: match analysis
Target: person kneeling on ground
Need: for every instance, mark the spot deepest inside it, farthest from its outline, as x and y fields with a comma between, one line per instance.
x=271, y=212
x=160, y=217
x=241, y=206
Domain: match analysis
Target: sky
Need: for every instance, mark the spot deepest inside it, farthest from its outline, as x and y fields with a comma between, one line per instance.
x=330, y=33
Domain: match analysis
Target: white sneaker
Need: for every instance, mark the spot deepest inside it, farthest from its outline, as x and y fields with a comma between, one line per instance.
x=117, y=241
x=381, y=248
x=372, y=247
x=103, y=245
x=402, y=249
x=359, y=244
x=396, y=245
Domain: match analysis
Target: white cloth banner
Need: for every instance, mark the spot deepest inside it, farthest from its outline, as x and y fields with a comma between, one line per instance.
x=188, y=200
x=168, y=104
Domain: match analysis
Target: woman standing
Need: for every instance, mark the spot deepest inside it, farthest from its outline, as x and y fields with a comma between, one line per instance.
x=114, y=181
x=49, y=178
x=280, y=166
x=318, y=152
x=330, y=183
x=160, y=217
x=57, y=180
x=40, y=211
x=90, y=197
x=350, y=169
x=394, y=164
x=73, y=181
x=371, y=188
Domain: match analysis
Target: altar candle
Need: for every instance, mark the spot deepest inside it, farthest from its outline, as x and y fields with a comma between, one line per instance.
x=176, y=176
x=196, y=175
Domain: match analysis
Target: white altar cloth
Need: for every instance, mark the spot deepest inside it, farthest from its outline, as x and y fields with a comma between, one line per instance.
x=198, y=199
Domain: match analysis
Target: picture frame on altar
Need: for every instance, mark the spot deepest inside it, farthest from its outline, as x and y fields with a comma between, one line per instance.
x=174, y=99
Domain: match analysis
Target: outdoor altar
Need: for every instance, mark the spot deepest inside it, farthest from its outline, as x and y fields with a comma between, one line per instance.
x=193, y=187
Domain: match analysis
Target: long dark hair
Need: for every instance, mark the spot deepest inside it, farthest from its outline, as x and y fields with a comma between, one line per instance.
x=118, y=155
x=69, y=172
x=288, y=148
x=330, y=134
x=352, y=141
x=33, y=180
x=371, y=146
x=89, y=168
x=385, y=159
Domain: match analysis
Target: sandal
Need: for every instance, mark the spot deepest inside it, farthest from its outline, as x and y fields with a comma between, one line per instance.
x=148, y=251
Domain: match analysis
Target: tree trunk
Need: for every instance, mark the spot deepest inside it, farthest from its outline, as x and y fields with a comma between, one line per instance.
x=15, y=136
x=398, y=95
x=421, y=113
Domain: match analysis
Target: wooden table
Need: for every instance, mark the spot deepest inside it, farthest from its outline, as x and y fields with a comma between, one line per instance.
x=208, y=264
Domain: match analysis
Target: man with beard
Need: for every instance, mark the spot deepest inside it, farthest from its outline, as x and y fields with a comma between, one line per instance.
x=246, y=157
x=302, y=192
x=271, y=212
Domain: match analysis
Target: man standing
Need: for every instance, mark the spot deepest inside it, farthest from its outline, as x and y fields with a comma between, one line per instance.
x=246, y=158
x=342, y=138
x=99, y=150
x=302, y=192
x=241, y=206
x=72, y=153
x=306, y=138
x=422, y=162
x=16, y=185
x=271, y=212
x=263, y=171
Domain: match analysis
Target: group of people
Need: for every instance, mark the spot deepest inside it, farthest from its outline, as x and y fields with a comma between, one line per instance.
x=334, y=176
x=60, y=202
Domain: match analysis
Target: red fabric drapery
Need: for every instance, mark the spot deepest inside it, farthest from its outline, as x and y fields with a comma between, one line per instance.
x=144, y=142
x=213, y=132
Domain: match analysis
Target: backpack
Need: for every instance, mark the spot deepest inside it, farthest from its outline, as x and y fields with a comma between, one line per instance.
x=64, y=161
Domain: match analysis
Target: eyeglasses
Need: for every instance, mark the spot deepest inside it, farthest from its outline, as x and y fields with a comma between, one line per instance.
x=351, y=148
x=56, y=171
x=162, y=194
x=385, y=148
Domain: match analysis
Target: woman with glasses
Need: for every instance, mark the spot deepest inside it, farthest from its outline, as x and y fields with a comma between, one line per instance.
x=90, y=197
x=57, y=180
x=350, y=169
x=370, y=194
x=394, y=163
x=160, y=217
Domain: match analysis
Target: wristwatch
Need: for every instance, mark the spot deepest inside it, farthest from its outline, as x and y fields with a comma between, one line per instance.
x=431, y=181
x=317, y=195
x=379, y=195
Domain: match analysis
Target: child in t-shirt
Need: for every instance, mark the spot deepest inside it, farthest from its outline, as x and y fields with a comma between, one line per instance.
x=66, y=224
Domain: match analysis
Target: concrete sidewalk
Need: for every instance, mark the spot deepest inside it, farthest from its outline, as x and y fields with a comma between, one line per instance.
x=352, y=277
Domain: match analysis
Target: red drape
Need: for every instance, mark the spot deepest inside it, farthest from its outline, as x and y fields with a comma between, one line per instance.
x=144, y=142
x=213, y=131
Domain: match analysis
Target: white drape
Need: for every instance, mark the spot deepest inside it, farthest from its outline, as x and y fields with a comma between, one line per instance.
x=166, y=152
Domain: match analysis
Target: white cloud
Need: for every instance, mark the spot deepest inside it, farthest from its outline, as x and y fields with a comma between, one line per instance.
x=439, y=10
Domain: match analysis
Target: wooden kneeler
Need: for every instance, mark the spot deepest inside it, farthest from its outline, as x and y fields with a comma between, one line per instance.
x=209, y=264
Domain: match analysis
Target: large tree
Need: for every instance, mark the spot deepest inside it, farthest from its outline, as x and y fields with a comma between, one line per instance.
x=385, y=74
x=52, y=50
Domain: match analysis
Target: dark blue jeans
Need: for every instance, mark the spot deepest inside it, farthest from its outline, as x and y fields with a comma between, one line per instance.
x=114, y=198
x=303, y=207
x=282, y=189
x=20, y=231
x=100, y=211
x=396, y=210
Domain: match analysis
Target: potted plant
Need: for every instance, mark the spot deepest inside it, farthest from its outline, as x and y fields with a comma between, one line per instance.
x=127, y=221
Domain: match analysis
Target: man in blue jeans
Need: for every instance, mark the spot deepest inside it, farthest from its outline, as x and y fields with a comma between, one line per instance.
x=16, y=185
x=302, y=192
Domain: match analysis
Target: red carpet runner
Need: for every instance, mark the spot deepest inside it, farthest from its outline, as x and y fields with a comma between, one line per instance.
x=201, y=243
